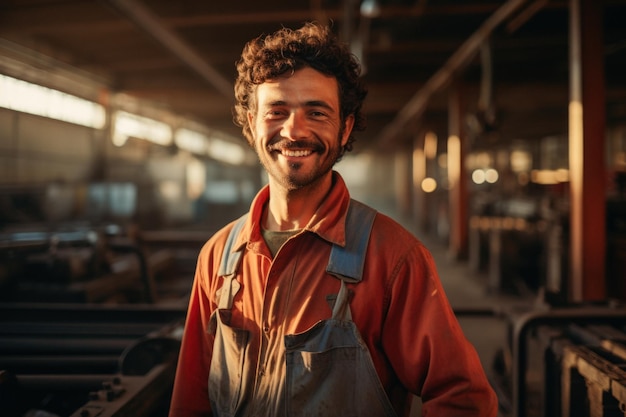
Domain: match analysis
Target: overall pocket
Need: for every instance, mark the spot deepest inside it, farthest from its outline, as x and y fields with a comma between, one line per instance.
x=330, y=373
x=322, y=383
x=225, y=376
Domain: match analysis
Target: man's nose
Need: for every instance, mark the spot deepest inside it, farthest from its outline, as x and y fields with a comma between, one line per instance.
x=295, y=126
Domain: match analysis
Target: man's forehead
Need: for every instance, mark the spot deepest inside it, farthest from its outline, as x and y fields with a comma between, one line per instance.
x=305, y=85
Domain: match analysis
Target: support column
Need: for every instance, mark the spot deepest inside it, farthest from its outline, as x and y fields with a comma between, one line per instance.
x=458, y=205
x=418, y=165
x=587, y=120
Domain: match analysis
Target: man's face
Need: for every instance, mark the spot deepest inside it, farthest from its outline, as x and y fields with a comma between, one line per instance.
x=297, y=127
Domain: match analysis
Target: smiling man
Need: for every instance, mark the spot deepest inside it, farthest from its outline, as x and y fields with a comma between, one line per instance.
x=314, y=304
x=297, y=131
x=297, y=120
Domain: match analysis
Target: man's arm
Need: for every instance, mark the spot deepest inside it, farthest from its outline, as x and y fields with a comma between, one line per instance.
x=427, y=347
x=190, y=396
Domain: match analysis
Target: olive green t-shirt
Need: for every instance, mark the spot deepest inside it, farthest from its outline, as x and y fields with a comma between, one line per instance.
x=276, y=239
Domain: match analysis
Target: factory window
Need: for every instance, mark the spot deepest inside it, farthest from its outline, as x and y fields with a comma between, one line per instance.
x=226, y=151
x=129, y=125
x=35, y=99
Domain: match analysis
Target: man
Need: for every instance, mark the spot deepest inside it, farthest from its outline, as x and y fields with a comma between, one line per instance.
x=283, y=336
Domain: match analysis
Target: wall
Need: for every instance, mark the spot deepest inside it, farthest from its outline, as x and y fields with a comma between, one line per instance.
x=53, y=171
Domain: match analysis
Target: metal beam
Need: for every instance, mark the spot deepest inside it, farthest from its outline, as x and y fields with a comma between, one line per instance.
x=149, y=22
x=457, y=62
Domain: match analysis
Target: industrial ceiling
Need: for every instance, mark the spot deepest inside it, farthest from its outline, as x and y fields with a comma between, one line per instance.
x=510, y=56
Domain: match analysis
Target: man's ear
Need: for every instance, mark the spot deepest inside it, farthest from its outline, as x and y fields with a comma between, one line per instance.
x=347, y=129
x=251, y=123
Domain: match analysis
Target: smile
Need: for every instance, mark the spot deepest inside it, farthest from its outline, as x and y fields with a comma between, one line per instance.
x=297, y=153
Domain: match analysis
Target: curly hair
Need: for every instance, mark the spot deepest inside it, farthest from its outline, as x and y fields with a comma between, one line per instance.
x=286, y=51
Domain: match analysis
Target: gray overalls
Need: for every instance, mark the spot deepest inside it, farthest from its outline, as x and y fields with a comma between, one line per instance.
x=329, y=371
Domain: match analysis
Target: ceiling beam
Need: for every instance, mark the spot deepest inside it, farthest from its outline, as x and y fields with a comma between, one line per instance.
x=457, y=62
x=150, y=23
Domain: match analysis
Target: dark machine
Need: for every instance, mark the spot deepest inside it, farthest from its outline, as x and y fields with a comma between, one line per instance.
x=91, y=315
x=564, y=361
x=80, y=360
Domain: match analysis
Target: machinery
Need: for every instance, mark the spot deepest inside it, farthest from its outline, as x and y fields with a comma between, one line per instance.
x=91, y=317
x=62, y=360
x=565, y=360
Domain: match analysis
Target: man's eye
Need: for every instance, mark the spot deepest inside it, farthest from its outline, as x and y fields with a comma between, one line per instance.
x=274, y=114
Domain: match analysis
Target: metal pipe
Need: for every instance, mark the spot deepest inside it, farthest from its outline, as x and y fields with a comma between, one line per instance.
x=63, y=382
x=457, y=62
x=526, y=322
x=146, y=277
x=59, y=330
x=20, y=363
x=26, y=345
x=90, y=313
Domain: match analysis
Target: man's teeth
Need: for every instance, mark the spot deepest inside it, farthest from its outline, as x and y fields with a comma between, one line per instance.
x=297, y=153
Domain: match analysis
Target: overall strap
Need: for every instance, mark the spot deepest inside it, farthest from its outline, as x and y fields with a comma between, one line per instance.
x=346, y=263
x=230, y=259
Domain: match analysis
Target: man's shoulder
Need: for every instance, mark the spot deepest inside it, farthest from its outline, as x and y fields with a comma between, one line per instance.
x=218, y=239
x=392, y=234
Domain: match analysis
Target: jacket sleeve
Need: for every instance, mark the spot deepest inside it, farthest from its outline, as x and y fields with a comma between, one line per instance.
x=427, y=347
x=190, y=394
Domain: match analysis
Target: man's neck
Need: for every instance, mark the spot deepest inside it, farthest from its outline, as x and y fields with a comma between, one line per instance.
x=293, y=209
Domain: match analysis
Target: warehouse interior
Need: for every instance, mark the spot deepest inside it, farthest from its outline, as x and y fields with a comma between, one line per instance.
x=496, y=132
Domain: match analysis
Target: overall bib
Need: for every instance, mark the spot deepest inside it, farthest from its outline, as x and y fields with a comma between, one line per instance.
x=328, y=369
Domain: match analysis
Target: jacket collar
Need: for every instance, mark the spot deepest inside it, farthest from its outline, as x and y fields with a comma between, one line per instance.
x=328, y=222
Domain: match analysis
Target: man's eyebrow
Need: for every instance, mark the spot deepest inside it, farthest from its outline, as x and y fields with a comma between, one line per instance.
x=310, y=103
x=319, y=103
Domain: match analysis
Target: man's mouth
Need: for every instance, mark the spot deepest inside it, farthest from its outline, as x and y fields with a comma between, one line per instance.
x=297, y=153
x=297, y=149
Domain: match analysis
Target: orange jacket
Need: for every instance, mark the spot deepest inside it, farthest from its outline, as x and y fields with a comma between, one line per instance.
x=400, y=309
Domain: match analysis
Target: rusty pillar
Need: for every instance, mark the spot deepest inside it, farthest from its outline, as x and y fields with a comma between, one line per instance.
x=458, y=205
x=418, y=170
x=587, y=119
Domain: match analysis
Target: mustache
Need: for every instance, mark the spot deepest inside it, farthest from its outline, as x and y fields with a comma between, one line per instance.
x=285, y=144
